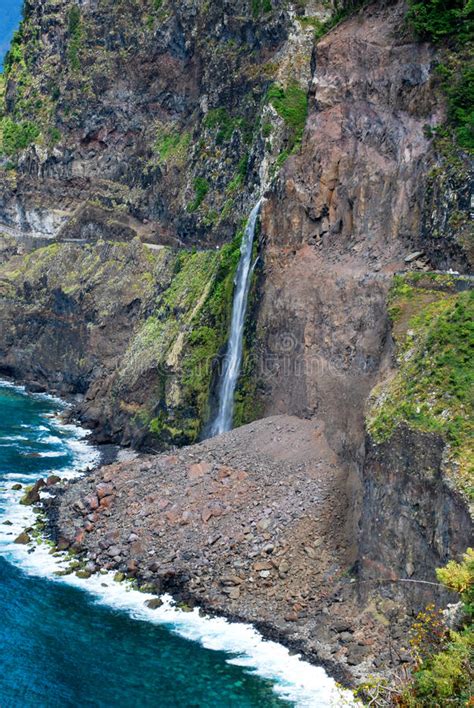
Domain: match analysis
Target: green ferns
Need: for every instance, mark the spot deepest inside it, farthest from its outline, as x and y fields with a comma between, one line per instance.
x=432, y=391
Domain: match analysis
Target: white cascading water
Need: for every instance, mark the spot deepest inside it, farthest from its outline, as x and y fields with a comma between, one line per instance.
x=233, y=359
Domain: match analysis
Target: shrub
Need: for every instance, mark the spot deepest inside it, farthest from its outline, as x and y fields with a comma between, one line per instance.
x=17, y=136
x=451, y=22
x=436, y=19
x=447, y=675
x=15, y=53
x=442, y=673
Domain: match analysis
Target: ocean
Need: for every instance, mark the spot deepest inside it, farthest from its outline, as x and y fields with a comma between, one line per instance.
x=66, y=641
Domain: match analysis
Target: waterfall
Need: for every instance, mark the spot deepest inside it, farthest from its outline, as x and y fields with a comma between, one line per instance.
x=233, y=359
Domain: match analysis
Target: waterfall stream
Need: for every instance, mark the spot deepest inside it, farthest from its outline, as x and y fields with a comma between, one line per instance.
x=233, y=359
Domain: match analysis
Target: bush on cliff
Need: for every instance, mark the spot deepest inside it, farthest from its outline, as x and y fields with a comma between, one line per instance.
x=442, y=672
x=16, y=136
x=436, y=19
x=446, y=675
x=451, y=23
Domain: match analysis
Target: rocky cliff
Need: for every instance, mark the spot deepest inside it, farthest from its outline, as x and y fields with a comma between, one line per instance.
x=136, y=136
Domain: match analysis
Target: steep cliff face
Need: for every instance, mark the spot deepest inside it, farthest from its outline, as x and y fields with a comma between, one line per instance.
x=150, y=107
x=347, y=210
x=419, y=448
x=131, y=331
x=344, y=216
x=149, y=122
x=135, y=130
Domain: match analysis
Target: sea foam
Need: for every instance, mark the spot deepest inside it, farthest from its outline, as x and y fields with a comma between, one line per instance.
x=293, y=679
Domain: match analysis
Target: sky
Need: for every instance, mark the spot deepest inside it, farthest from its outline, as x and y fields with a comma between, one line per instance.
x=10, y=14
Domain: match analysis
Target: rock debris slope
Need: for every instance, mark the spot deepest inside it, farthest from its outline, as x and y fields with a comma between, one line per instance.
x=310, y=519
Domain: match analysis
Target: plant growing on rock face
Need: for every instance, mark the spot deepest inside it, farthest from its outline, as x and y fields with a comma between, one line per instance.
x=291, y=104
x=17, y=136
x=436, y=19
x=442, y=672
x=201, y=188
x=432, y=390
x=75, y=36
x=451, y=23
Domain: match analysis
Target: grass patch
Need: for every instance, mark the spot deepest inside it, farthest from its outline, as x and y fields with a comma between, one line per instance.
x=433, y=388
x=201, y=188
x=291, y=104
x=172, y=146
x=75, y=37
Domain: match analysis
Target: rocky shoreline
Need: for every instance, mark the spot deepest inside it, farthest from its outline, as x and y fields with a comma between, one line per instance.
x=216, y=526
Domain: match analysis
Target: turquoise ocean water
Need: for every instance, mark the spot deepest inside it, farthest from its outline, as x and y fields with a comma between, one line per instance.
x=66, y=642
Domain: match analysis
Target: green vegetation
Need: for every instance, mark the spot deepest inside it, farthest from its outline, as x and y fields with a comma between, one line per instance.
x=15, y=53
x=219, y=120
x=292, y=105
x=238, y=181
x=75, y=37
x=451, y=23
x=340, y=13
x=322, y=27
x=442, y=671
x=181, y=341
x=432, y=391
x=458, y=82
x=436, y=19
x=16, y=136
x=261, y=6
x=158, y=13
x=30, y=118
x=201, y=188
x=172, y=146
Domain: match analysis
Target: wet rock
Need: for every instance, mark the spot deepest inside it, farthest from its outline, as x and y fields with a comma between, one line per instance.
x=23, y=539
x=154, y=603
x=83, y=573
x=32, y=494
